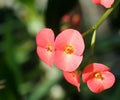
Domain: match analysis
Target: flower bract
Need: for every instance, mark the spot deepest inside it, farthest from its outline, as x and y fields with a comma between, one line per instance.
x=98, y=77
x=105, y=3
x=69, y=47
x=73, y=78
x=45, y=45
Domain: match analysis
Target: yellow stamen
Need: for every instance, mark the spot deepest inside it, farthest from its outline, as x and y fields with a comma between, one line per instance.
x=98, y=75
x=69, y=49
x=49, y=48
x=72, y=74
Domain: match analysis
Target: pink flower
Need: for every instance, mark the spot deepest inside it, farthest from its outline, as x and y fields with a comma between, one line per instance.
x=73, y=78
x=98, y=77
x=69, y=47
x=45, y=45
x=105, y=3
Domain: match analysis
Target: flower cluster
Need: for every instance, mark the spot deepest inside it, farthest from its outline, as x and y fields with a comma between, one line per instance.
x=66, y=52
x=105, y=3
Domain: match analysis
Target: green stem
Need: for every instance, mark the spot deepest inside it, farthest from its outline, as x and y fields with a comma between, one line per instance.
x=90, y=58
x=93, y=43
x=93, y=29
x=102, y=19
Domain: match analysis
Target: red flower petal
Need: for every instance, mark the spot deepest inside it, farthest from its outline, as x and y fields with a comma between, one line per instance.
x=70, y=37
x=107, y=3
x=91, y=68
x=67, y=62
x=45, y=56
x=44, y=37
x=108, y=79
x=95, y=85
x=45, y=45
x=73, y=78
x=96, y=1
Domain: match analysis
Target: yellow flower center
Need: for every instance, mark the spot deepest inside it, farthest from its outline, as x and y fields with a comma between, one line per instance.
x=72, y=74
x=69, y=49
x=98, y=75
x=49, y=48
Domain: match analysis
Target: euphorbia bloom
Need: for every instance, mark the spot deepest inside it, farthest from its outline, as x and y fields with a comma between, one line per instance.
x=69, y=47
x=105, y=3
x=98, y=77
x=45, y=45
x=73, y=78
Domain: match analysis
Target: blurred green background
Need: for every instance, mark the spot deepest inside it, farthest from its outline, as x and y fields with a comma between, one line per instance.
x=23, y=76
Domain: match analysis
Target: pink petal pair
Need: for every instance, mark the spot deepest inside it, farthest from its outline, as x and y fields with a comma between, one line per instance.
x=45, y=45
x=66, y=52
x=98, y=77
x=105, y=3
x=69, y=47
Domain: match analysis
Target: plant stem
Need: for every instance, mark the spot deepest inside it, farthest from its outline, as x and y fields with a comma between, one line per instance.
x=91, y=56
x=93, y=43
x=102, y=19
